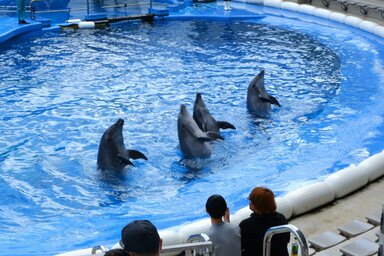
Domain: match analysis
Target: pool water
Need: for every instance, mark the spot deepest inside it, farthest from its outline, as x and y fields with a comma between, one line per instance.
x=61, y=91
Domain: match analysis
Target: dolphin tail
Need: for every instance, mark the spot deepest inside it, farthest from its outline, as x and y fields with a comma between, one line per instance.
x=125, y=160
x=225, y=125
x=134, y=154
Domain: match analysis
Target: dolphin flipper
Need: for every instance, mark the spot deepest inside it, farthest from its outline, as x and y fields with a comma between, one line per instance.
x=225, y=125
x=210, y=137
x=273, y=100
x=125, y=160
x=134, y=154
x=214, y=136
x=263, y=99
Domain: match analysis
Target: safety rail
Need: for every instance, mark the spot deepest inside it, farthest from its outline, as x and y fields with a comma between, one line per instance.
x=86, y=9
x=33, y=12
x=197, y=248
x=284, y=229
x=197, y=245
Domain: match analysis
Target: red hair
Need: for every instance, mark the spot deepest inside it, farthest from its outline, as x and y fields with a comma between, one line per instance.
x=263, y=200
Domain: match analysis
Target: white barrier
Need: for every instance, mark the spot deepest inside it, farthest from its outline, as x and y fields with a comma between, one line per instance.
x=322, y=13
x=284, y=207
x=289, y=6
x=347, y=180
x=86, y=24
x=196, y=227
x=373, y=166
x=310, y=197
x=273, y=3
x=352, y=21
x=338, y=17
x=306, y=9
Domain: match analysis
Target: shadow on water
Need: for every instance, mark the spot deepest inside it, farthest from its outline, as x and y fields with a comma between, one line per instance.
x=189, y=170
x=115, y=185
x=259, y=125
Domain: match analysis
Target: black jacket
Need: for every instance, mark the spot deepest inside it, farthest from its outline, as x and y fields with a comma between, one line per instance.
x=253, y=230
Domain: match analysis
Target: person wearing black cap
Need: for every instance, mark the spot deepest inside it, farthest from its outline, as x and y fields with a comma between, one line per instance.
x=140, y=238
x=225, y=236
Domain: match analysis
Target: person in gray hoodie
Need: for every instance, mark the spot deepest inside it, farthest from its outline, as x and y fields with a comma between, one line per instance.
x=224, y=235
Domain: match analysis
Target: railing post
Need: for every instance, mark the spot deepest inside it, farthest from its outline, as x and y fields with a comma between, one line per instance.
x=87, y=7
x=283, y=229
x=381, y=234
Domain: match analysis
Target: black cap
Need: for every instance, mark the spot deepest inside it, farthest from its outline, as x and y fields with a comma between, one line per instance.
x=140, y=236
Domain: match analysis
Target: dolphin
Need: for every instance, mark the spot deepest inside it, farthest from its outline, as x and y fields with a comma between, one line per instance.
x=205, y=120
x=112, y=153
x=258, y=100
x=193, y=141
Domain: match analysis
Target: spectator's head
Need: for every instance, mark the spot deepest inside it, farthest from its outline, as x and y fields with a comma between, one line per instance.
x=116, y=252
x=216, y=206
x=262, y=200
x=140, y=237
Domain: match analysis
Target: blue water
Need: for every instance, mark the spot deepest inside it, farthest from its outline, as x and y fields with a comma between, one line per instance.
x=61, y=91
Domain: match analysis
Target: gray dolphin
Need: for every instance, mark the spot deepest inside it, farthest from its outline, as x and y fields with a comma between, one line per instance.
x=193, y=141
x=258, y=100
x=205, y=120
x=112, y=153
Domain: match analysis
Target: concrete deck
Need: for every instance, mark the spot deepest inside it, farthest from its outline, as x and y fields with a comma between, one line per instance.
x=330, y=217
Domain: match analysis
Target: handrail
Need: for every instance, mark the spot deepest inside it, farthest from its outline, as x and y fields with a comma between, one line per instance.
x=31, y=7
x=87, y=8
x=283, y=229
x=197, y=246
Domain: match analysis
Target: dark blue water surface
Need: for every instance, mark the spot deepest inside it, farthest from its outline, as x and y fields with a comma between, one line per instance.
x=61, y=91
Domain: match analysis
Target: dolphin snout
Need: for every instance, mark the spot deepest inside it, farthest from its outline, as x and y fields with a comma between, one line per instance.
x=120, y=122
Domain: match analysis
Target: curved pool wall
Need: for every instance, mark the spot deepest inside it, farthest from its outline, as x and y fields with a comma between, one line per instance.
x=315, y=195
x=336, y=185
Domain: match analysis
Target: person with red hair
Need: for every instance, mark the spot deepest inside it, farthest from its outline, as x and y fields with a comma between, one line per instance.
x=263, y=205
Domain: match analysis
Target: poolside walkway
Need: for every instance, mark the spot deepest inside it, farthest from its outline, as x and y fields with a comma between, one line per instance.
x=355, y=206
x=10, y=28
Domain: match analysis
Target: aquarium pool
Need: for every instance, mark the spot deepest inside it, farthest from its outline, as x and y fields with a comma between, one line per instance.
x=59, y=93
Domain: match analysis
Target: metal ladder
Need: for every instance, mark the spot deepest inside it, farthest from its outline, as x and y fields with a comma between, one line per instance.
x=284, y=229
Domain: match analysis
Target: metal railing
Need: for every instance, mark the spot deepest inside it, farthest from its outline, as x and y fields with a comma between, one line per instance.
x=33, y=11
x=86, y=8
x=284, y=229
x=197, y=245
x=381, y=233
